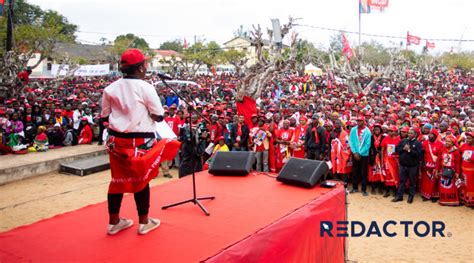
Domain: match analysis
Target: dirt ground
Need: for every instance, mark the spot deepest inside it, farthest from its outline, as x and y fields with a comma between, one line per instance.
x=33, y=199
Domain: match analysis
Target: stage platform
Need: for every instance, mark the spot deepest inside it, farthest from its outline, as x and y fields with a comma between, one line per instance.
x=253, y=219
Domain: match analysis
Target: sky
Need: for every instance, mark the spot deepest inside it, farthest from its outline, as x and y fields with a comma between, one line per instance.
x=216, y=20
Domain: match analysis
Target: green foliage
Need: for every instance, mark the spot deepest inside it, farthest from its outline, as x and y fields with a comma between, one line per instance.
x=374, y=53
x=37, y=30
x=175, y=45
x=409, y=55
x=463, y=60
x=124, y=42
x=335, y=44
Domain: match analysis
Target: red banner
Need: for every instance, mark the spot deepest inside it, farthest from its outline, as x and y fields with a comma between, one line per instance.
x=430, y=45
x=413, y=39
x=347, y=50
x=247, y=107
x=378, y=3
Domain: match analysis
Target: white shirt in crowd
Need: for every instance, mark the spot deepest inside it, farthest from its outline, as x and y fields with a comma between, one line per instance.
x=76, y=118
x=129, y=104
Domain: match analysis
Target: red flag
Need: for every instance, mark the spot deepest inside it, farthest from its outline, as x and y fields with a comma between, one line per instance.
x=347, y=50
x=213, y=70
x=378, y=3
x=412, y=39
x=430, y=45
x=247, y=107
x=185, y=44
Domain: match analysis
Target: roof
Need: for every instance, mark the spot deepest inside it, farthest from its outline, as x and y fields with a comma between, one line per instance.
x=167, y=53
x=89, y=52
x=265, y=42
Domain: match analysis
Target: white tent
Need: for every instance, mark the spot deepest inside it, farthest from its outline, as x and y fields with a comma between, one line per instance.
x=312, y=69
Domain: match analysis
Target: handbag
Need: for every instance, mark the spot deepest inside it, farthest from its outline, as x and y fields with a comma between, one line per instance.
x=448, y=172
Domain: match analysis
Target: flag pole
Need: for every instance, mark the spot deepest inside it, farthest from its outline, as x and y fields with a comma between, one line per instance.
x=359, y=25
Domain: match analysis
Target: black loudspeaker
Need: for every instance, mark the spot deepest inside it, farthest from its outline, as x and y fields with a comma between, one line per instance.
x=232, y=163
x=303, y=172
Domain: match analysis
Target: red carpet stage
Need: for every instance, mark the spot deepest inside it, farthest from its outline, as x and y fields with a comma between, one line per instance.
x=253, y=219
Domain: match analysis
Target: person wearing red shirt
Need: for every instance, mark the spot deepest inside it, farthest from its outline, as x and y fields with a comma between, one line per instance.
x=448, y=171
x=283, y=140
x=86, y=133
x=390, y=160
x=297, y=141
x=429, y=182
x=215, y=129
x=467, y=171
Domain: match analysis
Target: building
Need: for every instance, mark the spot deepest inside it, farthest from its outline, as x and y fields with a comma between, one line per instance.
x=243, y=44
x=79, y=53
x=163, y=60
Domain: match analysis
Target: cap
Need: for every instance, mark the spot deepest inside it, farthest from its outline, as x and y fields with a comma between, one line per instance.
x=131, y=57
x=221, y=138
x=393, y=128
x=405, y=129
x=84, y=119
x=360, y=118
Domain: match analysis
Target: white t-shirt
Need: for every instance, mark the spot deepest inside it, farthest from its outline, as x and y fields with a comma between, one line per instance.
x=129, y=103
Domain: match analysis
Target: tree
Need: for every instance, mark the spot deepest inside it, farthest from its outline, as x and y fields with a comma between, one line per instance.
x=124, y=42
x=235, y=58
x=374, y=53
x=175, y=45
x=257, y=76
x=463, y=60
x=201, y=54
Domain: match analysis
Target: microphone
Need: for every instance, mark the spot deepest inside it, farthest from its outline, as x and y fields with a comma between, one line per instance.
x=164, y=76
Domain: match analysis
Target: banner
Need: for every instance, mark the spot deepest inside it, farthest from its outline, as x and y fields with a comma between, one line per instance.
x=430, y=45
x=347, y=50
x=413, y=39
x=83, y=71
x=378, y=3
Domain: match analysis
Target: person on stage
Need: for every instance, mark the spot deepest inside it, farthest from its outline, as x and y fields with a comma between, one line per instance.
x=359, y=141
x=132, y=107
x=283, y=140
x=467, y=170
x=429, y=182
x=449, y=169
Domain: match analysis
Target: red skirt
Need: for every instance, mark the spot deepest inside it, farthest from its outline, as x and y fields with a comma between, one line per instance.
x=132, y=165
x=375, y=173
x=448, y=192
x=467, y=189
x=429, y=183
x=392, y=172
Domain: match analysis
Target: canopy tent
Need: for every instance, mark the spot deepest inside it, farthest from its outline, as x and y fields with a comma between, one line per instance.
x=312, y=69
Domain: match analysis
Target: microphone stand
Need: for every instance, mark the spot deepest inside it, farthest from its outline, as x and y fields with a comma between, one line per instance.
x=194, y=199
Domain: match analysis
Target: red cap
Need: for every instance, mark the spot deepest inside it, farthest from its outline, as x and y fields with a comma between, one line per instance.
x=360, y=118
x=393, y=128
x=221, y=138
x=84, y=119
x=405, y=129
x=131, y=57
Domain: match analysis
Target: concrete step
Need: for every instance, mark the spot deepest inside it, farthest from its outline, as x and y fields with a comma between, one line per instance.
x=87, y=166
x=18, y=167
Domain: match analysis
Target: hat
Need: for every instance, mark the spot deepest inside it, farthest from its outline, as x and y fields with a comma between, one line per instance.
x=315, y=116
x=471, y=134
x=393, y=128
x=57, y=125
x=84, y=119
x=405, y=129
x=221, y=138
x=360, y=118
x=106, y=123
x=435, y=132
x=254, y=116
x=132, y=57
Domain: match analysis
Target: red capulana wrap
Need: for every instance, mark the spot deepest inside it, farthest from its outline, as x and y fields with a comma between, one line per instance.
x=132, y=167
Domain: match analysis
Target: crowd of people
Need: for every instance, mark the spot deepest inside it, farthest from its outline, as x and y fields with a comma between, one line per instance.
x=395, y=137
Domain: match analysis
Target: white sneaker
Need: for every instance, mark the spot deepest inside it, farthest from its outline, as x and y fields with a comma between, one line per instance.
x=121, y=225
x=152, y=224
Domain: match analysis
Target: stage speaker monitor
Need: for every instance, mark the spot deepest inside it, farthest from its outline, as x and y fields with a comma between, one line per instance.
x=232, y=163
x=303, y=172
